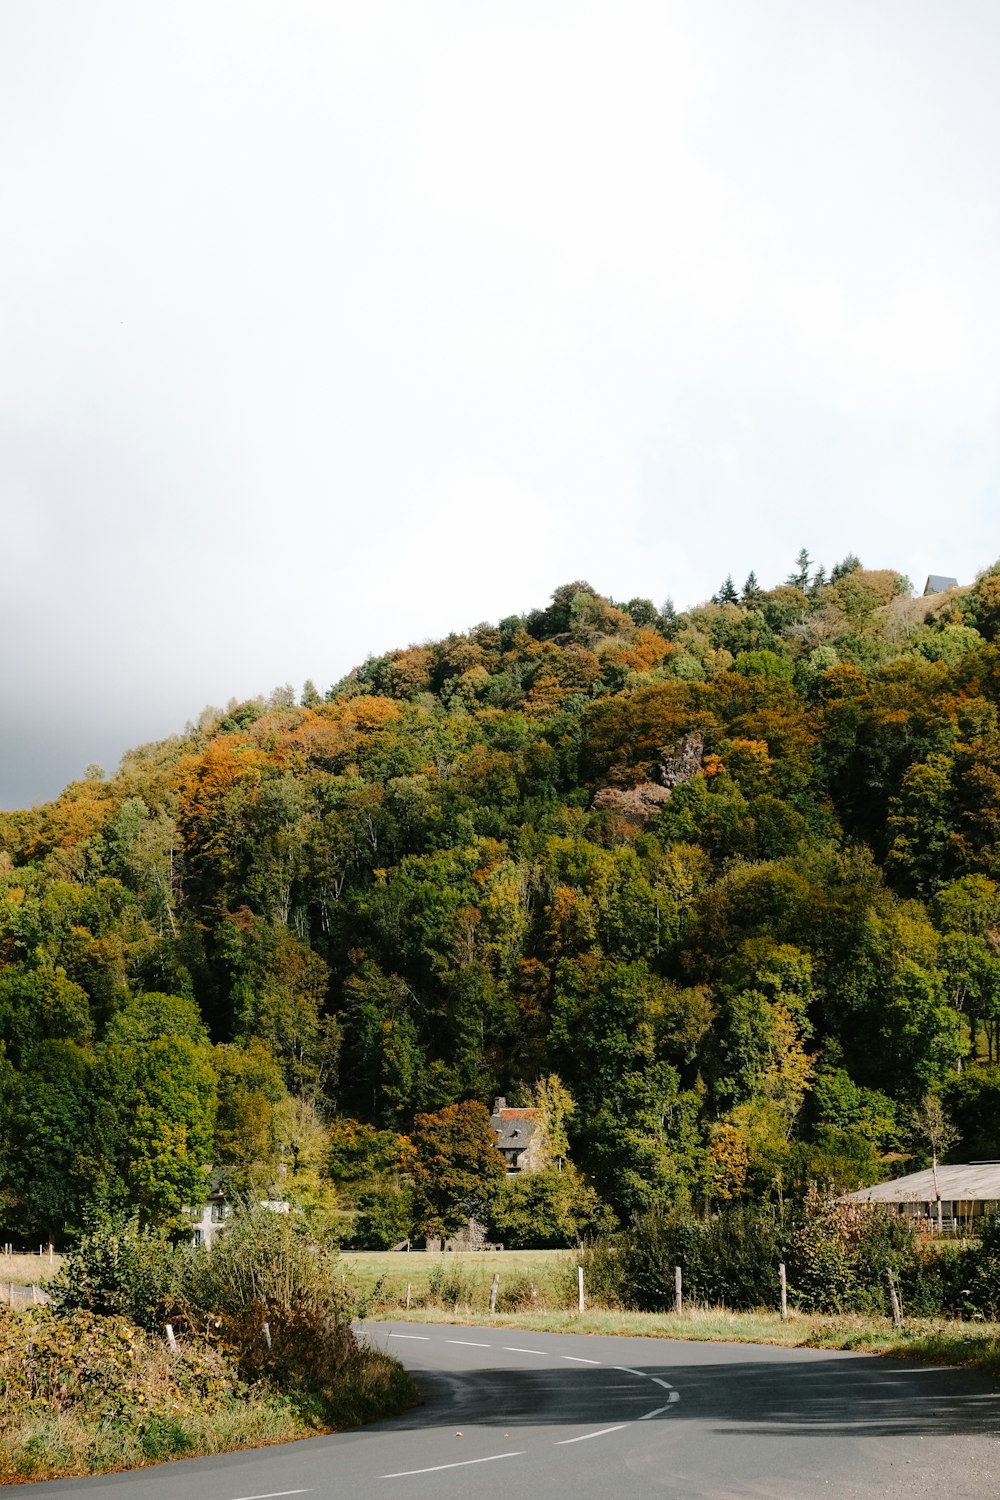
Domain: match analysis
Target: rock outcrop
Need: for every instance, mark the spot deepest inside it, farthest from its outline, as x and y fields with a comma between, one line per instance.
x=637, y=804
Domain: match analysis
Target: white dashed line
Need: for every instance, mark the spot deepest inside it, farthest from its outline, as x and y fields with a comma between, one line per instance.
x=657, y=1413
x=275, y=1495
x=463, y=1464
x=626, y=1370
x=575, y=1360
x=423, y=1337
x=665, y=1383
x=469, y=1343
x=584, y=1436
x=510, y=1349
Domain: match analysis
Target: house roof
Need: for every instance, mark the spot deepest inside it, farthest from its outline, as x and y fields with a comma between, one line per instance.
x=973, y=1182
x=937, y=583
x=513, y=1128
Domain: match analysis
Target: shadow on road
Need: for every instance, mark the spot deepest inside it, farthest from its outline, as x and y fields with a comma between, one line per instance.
x=862, y=1397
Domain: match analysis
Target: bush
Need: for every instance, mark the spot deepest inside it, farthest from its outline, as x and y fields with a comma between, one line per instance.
x=840, y=1256
x=450, y=1286
x=117, y=1269
x=265, y=1270
x=730, y=1260
x=516, y=1294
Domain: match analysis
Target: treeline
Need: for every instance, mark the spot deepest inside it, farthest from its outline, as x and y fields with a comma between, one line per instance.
x=729, y=877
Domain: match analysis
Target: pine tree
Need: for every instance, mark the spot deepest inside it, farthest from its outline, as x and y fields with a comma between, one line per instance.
x=727, y=594
x=799, y=579
x=850, y=564
x=669, y=623
x=751, y=589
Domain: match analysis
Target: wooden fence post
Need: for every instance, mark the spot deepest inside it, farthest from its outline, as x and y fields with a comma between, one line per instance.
x=266, y=1330
x=784, y=1290
x=897, y=1311
x=409, y=1289
x=171, y=1340
x=493, y=1291
x=678, y=1291
x=579, y=1287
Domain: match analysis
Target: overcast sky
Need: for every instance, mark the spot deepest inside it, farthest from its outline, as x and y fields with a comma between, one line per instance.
x=328, y=327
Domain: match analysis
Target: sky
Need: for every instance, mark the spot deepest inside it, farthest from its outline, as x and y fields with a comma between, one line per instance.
x=330, y=327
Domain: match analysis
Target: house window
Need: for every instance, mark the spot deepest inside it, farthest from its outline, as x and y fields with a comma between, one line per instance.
x=220, y=1211
x=196, y=1238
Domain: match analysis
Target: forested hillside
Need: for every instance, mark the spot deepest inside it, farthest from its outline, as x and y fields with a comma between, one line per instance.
x=720, y=889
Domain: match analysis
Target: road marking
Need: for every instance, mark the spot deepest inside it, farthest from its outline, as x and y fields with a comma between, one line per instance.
x=657, y=1413
x=275, y=1494
x=574, y=1359
x=424, y=1339
x=510, y=1348
x=675, y=1395
x=584, y=1436
x=626, y=1370
x=464, y=1464
x=469, y=1343
x=665, y=1383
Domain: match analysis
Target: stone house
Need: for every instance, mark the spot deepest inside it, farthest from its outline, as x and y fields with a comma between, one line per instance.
x=518, y=1137
x=208, y=1220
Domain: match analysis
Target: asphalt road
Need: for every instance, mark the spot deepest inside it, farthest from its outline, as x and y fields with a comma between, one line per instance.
x=527, y=1416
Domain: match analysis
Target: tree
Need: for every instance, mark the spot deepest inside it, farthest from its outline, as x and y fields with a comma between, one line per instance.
x=457, y=1170
x=798, y=578
x=727, y=593
x=555, y=1107
x=751, y=589
x=932, y=1125
x=168, y=1126
x=850, y=564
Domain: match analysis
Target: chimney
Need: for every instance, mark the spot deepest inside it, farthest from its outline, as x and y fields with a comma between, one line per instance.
x=499, y=1105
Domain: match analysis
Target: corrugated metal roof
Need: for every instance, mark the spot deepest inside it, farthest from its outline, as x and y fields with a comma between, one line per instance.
x=976, y=1182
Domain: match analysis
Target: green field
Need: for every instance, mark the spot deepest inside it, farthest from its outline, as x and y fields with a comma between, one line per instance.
x=380, y=1277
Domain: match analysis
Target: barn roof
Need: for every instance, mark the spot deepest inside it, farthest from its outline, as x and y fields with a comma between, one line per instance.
x=937, y=583
x=977, y=1181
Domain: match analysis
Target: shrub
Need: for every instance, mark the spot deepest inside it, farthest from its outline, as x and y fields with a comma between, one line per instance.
x=730, y=1260
x=265, y=1270
x=840, y=1256
x=516, y=1294
x=118, y=1268
x=450, y=1286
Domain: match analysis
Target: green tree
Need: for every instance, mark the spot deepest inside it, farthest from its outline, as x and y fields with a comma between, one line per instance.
x=168, y=1128
x=458, y=1169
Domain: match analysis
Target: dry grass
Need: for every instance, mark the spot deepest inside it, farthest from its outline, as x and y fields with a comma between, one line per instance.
x=27, y=1270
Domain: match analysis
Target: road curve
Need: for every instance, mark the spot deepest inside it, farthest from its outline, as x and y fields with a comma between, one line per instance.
x=516, y=1416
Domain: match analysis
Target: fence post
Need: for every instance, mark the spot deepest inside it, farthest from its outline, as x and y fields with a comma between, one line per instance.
x=170, y=1335
x=409, y=1289
x=10, y=1292
x=897, y=1311
x=678, y=1291
x=784, y=1290
x=51, y=1252
x=579, y=1287
x=266, y=1329
x=34, y=1292
x=493, y=1291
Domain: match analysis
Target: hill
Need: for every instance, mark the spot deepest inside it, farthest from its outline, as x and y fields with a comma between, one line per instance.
x=731, y=875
